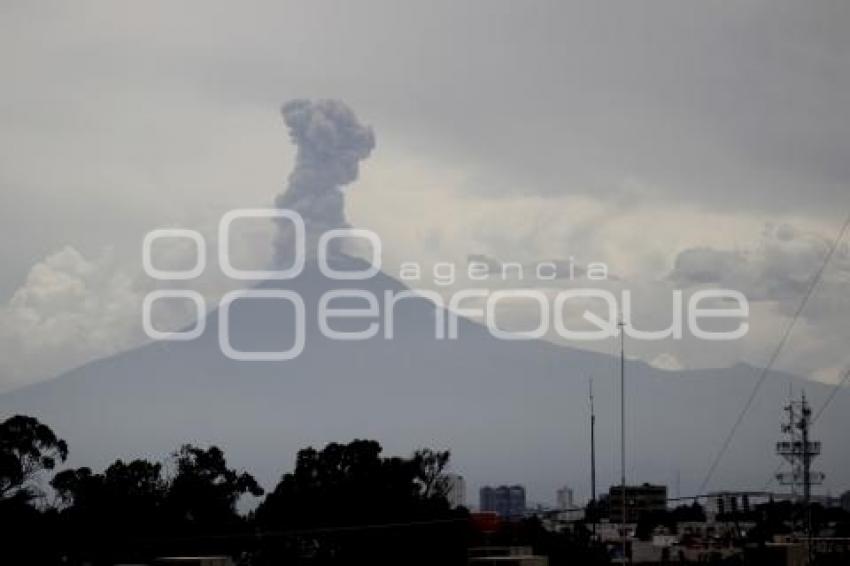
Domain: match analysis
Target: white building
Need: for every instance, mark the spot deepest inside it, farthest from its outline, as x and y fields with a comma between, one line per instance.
x=565, y=499
x=720, y=504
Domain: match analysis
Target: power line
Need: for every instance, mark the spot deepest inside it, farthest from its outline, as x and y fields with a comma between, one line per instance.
x=775, y=355
x=836, y=388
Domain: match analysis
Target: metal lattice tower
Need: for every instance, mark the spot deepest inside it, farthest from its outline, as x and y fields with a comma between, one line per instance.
x=799, y=450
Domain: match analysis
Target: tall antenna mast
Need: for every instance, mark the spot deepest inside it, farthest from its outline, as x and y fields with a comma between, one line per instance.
x=799, y=451
x=621, y=324
x=592, y=457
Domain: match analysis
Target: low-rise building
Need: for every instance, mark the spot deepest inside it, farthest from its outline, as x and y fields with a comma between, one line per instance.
x=722, y=503
x=640, y=499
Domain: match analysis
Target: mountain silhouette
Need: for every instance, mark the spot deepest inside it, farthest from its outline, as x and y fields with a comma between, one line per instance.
x=510, y=411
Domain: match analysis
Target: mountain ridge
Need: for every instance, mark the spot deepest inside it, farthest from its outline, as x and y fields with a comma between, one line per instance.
x=511, y=411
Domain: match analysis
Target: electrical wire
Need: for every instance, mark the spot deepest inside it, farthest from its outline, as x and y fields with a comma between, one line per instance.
x=765, y=371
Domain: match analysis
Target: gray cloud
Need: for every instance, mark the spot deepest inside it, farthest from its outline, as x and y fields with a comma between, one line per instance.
x=703, y=265
x=69, y=310
x=721, y=105
x=331, y=143
x=780, y=268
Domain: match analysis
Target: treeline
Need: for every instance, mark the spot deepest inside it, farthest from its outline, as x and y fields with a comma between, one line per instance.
x=342, y=504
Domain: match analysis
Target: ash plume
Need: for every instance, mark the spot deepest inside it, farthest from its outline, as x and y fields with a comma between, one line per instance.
x=331, y=143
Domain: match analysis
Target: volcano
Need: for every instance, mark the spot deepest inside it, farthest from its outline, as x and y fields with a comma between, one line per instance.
x=510, y=411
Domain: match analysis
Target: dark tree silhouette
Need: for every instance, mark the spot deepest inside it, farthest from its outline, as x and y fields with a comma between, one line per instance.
x=346, y=504
x=107, y=516
x=430, y=466
x=76, y=487
x=351, y=483
x=204, y=491
x=131, y=512
x=124, y=491
x=27, y=448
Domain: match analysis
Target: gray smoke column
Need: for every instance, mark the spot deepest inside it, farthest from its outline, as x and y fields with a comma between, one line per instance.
x=331, y=143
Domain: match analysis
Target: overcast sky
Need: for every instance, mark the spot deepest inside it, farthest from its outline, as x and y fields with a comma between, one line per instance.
x=683, y=144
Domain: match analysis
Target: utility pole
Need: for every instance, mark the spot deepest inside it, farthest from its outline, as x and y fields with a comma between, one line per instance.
x=592, y=459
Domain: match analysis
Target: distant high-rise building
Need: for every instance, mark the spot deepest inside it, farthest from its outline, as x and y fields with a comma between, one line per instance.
x=565, y=498
x=486, y=499
x=455, y=490
x=507, y=501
